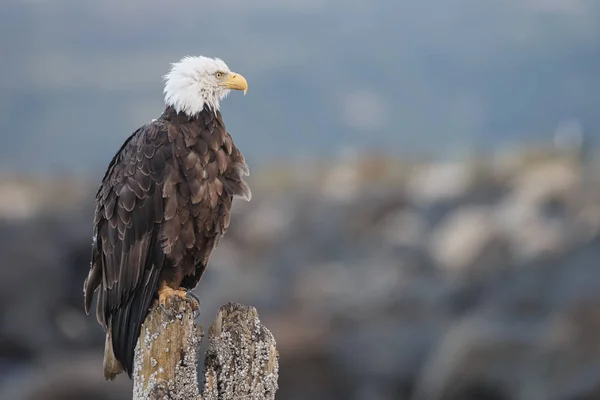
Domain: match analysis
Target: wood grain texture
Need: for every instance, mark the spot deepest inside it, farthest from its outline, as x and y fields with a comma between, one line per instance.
x=241, y=362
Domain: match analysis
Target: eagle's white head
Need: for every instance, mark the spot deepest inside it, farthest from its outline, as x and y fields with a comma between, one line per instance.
x=197, y=82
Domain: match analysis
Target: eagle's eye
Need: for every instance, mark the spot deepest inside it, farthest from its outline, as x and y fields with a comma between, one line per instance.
x=219, y=75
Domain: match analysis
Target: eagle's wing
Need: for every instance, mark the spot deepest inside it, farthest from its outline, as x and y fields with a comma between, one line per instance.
x=126, y=254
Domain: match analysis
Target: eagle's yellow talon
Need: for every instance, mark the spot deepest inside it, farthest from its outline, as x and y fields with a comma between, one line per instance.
x=165, y=292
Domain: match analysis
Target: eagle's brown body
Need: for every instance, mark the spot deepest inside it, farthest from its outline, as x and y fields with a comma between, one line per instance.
x=162, y=207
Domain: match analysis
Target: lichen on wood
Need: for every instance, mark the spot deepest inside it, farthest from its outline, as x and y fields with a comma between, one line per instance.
x=241, y=361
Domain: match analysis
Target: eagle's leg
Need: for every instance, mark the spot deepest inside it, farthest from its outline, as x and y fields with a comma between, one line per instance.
x=165, y=292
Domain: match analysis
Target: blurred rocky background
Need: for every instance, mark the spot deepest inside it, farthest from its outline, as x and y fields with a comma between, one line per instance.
x=380, y=279
x=426, y=214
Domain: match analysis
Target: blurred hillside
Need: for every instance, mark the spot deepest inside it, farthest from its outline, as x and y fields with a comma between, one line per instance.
x=77, y=77
x=380, y=279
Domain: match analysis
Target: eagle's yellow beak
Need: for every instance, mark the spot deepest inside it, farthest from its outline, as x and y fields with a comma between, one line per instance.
x=235, y=81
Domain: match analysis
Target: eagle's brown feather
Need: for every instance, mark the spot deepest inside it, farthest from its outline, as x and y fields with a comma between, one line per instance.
x=162, y=206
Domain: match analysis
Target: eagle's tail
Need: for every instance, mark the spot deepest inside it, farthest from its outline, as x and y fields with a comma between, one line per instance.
x=126, y=323
x=112, y=366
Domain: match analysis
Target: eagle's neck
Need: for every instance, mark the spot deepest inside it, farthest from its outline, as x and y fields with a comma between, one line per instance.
x=170, y=114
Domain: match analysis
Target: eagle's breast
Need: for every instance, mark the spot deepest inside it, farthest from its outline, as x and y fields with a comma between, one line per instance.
x=203, y=175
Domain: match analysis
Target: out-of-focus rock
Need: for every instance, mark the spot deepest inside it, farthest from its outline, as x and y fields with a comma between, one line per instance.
x=552, y=178
x=537, y=215
x=348, y=289
x=267, y=221
x=467, y=239
x=342, y=182
x=405, y=228
x=439, y=182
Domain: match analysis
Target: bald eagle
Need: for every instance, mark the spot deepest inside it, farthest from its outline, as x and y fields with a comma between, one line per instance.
x=163, y=205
